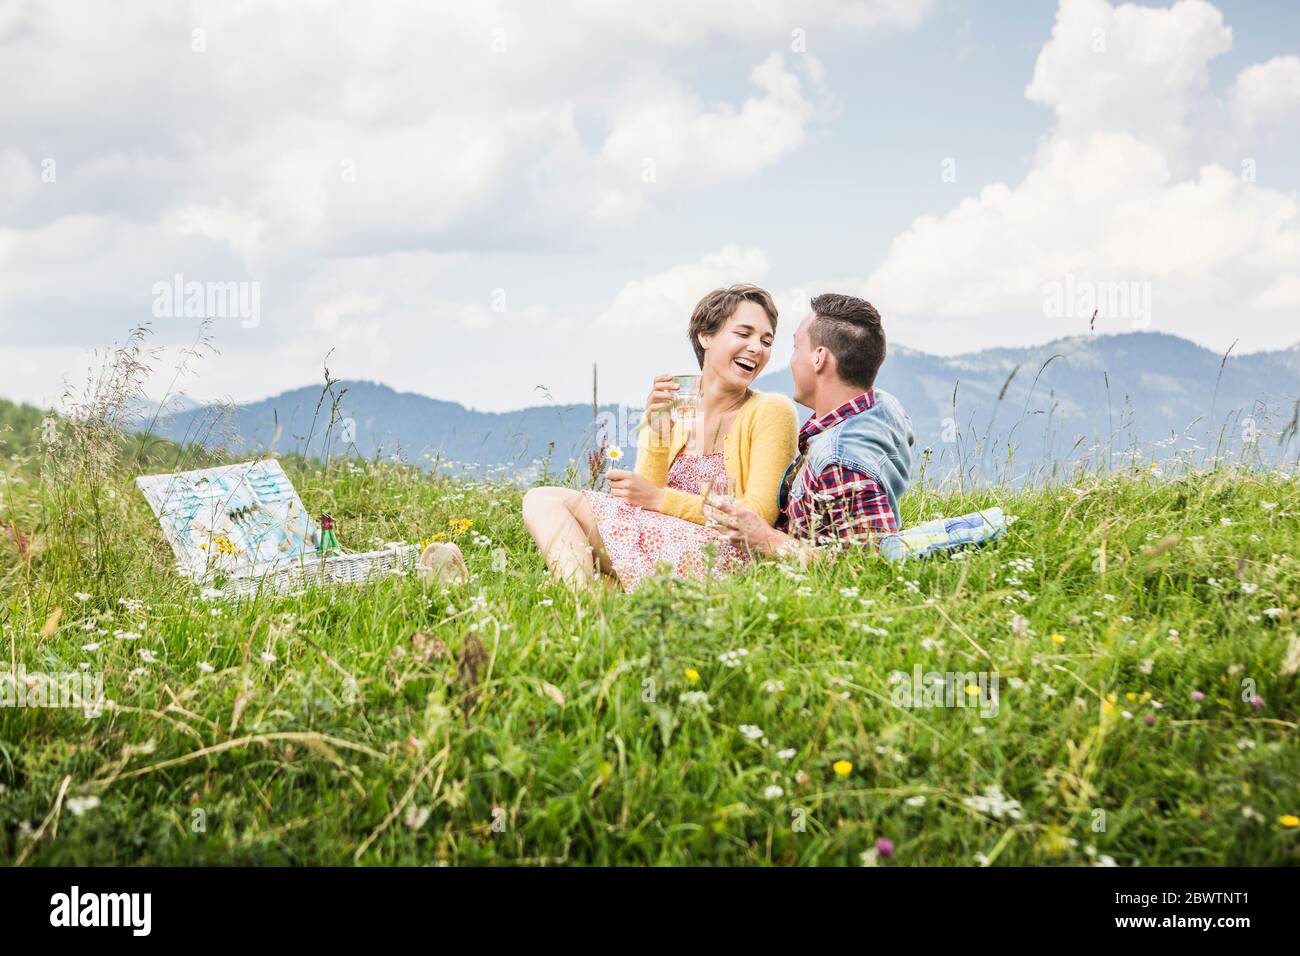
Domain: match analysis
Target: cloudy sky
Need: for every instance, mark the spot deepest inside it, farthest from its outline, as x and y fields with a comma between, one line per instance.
x=475, y=200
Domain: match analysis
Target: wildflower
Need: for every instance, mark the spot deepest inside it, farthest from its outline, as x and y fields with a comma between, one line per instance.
x=972, y=690
x=916, y=801
x=842, y=768
x=1019, y=625
x=733, y=658
x=82, y=596
x=1289, y=820
x=148, y=656
x=1268, y=505
x=1107, y=707
x=1257, y=703
x=1130, y=697
x=1058, y=638
x=205, y=667
x=786, y=754
x=1126, y=714
x=547, y=602
x=751, y=731
x=613, y=453
x=885, y=847
x=993, y=801
x=773, y=792
x=1105, y=860
x=92, y=646
x=1150, y=720
x=692, y=675
x=695, y=698
x=1272, y=612
x=79, y=805
x=1248, y=588
x=773, y=686
x=416, y=816
x=1197, y=696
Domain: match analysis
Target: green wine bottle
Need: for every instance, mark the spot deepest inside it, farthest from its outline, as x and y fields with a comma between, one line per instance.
x=329, y=544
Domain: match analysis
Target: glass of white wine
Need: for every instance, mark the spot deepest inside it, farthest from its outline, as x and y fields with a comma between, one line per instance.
x=716, y=491
x=686, y=403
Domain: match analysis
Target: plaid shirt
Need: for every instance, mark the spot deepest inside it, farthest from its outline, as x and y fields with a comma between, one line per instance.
x=841, y=506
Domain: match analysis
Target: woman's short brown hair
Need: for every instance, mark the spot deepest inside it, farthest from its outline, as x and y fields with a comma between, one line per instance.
x=712, y=312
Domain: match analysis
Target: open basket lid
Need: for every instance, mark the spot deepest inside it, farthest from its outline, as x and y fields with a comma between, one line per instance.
x=239, y=520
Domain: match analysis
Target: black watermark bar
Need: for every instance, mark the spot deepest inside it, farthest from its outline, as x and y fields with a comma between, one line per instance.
x=300, y=906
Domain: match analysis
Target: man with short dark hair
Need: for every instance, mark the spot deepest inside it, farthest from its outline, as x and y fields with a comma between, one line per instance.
x=855, y=452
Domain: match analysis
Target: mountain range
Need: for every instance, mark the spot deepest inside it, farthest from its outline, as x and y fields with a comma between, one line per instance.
x=1085, y=395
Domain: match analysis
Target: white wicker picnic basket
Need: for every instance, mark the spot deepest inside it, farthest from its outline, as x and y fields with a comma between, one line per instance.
x=244, y=525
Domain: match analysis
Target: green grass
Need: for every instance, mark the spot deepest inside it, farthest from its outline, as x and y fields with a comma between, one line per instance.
x=344, y=745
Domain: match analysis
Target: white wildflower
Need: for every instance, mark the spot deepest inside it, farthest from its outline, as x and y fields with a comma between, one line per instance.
x=79, y=805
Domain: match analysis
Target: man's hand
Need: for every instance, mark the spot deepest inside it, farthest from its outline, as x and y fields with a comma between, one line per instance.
x=746, y=529
x=635, y=489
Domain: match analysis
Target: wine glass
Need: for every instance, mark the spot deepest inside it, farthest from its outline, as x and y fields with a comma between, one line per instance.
x=716, y=491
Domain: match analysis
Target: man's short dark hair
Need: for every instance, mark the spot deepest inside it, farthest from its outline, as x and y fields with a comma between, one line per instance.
x=850, y=330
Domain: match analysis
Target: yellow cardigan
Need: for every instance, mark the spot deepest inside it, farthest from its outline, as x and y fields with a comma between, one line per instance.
x=757, y=449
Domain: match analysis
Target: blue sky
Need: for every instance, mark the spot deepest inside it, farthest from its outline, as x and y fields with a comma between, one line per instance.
x=497, y=232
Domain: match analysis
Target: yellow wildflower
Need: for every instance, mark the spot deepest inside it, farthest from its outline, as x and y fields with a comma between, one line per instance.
x=972, y=690
x=692, y=675
x=842, y=768
x=1289, y=820
x=1058, y=638
x=1107, y=707
x=1130, y=696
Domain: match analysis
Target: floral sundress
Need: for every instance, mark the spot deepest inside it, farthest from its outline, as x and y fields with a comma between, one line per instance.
x=638, y=541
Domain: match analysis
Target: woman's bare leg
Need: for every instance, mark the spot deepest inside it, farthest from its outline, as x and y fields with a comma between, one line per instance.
x=566, y=532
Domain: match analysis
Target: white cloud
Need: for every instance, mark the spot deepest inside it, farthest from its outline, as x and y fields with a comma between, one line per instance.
x=1124, y=189
x=356, y=164
x=667, y=298
x=1268, y=94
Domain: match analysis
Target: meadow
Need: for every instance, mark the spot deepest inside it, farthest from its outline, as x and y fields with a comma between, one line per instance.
x=1138, y=626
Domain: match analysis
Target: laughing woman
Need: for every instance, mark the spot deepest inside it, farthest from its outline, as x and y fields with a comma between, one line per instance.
x=655, y=514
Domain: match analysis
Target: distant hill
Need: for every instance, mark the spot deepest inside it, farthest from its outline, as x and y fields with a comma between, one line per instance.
x=1086, y=395
x=1120, y=391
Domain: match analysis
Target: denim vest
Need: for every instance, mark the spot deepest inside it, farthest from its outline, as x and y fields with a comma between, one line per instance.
x=877, y=442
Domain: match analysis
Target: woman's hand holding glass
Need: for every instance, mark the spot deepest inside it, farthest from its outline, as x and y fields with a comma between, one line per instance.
x=658, y=406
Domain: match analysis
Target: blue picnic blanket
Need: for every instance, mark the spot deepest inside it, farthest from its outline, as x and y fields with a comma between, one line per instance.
x=944, y=534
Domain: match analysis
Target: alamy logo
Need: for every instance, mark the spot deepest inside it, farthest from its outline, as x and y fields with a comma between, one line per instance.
x=951, y=689
x=103, y=909
x=1071, y=298
x=25, y=688
x=208, y=300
